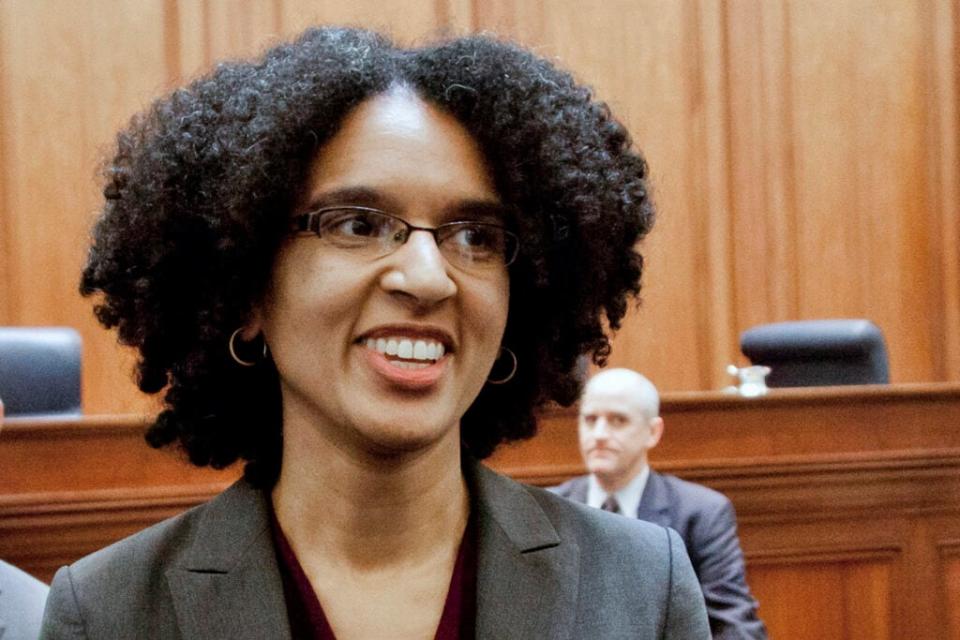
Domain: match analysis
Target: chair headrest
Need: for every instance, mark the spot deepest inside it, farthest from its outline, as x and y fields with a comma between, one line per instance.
x=818, y=352
x=40, y=371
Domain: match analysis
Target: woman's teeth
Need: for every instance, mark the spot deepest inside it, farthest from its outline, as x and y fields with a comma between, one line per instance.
x=425, y=351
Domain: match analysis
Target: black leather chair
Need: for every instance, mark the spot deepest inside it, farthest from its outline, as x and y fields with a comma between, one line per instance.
x=810, y=353
x=40, y=371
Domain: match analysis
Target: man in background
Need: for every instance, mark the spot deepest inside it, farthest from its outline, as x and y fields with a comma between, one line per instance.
x=21, y=598
x=619, y=423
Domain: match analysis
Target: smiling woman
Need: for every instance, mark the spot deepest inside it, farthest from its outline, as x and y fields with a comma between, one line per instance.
x=360, y=268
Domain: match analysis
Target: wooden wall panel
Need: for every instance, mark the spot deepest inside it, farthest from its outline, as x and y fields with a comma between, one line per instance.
x=842, y=202
x=66, y=91
x=72, y=75
x=201, y=33
x=859, y=148
x=950, y=555
x=942, y=31
x=829, y=600
x=804, y=154
x=407, y=20
x=662, y=78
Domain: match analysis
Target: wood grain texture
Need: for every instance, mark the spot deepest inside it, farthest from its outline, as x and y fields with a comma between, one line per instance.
x=860, y=180
x=943, y=145
x=804, y=155
x=950, y=557
x=664, y=80
x=830, y=600
x=67, y=91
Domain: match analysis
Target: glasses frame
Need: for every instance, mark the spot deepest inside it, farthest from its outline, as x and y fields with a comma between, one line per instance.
x=309, y=223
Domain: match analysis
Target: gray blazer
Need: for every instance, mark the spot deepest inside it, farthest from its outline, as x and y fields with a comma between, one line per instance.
x=21, y=603
x=706, y=521
x=547, y=568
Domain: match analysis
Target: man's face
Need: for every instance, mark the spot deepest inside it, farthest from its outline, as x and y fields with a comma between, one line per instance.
x=615, y=433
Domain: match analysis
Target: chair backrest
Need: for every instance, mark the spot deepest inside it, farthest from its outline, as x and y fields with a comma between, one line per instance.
x=40, y=371
x=809, y=353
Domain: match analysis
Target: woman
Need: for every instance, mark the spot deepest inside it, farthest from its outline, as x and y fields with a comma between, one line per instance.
x=360, y=268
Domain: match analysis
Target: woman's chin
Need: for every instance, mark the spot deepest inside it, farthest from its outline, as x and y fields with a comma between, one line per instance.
x=404, y=435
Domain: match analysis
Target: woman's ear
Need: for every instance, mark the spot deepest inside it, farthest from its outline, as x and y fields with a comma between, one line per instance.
x=253, y=326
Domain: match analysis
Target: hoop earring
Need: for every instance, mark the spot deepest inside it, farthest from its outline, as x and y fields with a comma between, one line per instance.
x=233, y=352
x=513, y=370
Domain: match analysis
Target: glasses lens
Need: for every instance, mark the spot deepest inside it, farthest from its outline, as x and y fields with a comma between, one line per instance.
x=477, y=244
x=359, y=228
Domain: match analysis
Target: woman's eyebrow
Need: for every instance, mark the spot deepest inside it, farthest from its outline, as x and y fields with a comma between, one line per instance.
x=359, y=196
x=482, y=211
x=475, y=210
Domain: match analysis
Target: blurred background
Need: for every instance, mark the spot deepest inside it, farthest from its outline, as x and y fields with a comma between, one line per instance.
x=804, y=155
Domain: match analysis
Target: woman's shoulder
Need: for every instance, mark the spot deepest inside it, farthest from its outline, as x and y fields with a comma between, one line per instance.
x=594, y=531
x=600, y=527
x=602, y=557
x=144, y=582
x=111, y=589
x=162, y=545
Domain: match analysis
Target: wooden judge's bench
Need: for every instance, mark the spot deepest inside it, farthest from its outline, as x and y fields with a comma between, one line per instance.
x=848, y=498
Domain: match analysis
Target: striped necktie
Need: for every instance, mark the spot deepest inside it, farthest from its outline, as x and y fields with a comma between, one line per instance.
x=611, y=504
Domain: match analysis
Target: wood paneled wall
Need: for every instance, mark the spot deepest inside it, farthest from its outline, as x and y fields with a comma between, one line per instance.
x=804, y=153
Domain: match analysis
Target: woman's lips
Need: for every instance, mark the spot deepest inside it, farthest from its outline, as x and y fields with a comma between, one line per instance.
x=415, y=375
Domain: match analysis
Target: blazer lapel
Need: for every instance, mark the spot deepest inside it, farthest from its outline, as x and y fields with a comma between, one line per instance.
x=527, y=577
x=228, y=585
x=654, y=503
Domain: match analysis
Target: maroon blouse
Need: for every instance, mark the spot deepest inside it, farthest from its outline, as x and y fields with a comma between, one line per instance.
x=308, y=622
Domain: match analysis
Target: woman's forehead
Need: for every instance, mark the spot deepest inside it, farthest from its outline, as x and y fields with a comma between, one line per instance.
x=401, y=146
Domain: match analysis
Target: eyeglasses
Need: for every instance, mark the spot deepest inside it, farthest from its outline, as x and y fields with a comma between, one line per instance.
x=371, y=233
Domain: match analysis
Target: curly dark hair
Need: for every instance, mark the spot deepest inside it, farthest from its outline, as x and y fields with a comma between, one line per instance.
x=198, y=196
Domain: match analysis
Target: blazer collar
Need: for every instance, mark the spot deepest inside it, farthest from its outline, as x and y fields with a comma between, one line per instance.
x=655, y=503
x=527, y=577
x=228, y=584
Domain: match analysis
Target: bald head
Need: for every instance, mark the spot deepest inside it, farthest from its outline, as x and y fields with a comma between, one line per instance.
x=628, y=384
x=619, y=422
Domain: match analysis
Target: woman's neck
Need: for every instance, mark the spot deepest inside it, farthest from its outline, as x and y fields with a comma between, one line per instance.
x=367, y=510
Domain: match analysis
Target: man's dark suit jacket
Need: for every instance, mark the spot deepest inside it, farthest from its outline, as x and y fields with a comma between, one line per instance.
x=706, y=521
x=546, y=568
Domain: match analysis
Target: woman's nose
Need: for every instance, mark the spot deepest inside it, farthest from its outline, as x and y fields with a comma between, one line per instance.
x=418, y=270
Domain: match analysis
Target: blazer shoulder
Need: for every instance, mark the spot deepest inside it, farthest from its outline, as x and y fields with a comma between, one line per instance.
x=596, y=529
x=132, y=587
x=686, y=491
x=105, y=593
x=569, y=488
x=620, y=557
x=139, y=562
x=151, y=550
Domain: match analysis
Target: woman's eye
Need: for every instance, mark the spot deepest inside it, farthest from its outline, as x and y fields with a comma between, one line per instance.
x=357, y=224
x=479, y=237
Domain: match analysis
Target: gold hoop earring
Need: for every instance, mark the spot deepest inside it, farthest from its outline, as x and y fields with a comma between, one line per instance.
x=233, y=352
x=513, y=370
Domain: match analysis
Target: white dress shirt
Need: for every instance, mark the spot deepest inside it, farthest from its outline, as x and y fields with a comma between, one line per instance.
x=628, y=497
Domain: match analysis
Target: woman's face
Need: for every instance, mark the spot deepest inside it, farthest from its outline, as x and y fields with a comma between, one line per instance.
x=331, y=314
